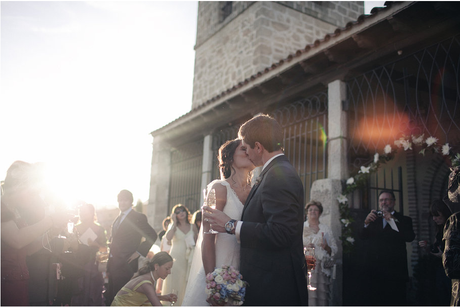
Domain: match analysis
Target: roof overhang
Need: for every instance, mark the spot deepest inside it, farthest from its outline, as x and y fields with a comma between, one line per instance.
x=350, y=50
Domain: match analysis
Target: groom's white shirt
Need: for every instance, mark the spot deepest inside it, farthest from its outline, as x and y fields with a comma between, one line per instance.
x=240, y=223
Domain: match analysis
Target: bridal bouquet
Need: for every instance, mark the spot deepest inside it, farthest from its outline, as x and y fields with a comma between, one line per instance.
x=226, y=286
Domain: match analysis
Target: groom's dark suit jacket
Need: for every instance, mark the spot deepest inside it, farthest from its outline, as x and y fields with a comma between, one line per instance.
x=125, y=241
x=272, y=259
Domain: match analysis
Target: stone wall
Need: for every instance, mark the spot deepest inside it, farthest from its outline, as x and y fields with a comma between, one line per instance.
x=256, y=35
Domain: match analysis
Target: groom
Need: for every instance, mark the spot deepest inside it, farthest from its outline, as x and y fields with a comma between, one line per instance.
x=271, y=226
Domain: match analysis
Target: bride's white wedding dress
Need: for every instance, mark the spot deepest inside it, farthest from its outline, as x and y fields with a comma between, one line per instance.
x=227, y=252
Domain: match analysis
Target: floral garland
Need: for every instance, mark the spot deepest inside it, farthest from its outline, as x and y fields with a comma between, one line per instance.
x=363, y=174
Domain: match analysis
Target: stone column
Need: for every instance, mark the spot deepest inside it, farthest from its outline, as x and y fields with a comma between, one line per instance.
x=327, y=190
x=160, y=176
x=206, y=174
x=337, y=131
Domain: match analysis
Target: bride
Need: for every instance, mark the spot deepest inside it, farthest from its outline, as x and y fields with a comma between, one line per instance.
x=216, y=250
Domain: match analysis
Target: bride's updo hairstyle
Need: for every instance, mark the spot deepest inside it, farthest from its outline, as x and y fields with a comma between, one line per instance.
x=159, y=258
x=226, y=152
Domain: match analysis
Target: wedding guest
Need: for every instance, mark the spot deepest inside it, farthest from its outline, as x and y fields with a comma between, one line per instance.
x=165, y=224
x=132, y=236
x=196, y=219
x=181, y=233
x=319, y=236
x=386, y=261
x=271, y=225
x=165, y=244
x=93, y=239
x=140, y=290
x=21, y=193
x=440, y=213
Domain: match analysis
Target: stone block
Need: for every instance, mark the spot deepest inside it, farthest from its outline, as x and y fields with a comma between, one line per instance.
x=264, y=32
x=279, y=26
x=264, y=12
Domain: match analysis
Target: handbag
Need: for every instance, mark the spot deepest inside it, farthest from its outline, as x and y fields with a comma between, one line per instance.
x=329, y=262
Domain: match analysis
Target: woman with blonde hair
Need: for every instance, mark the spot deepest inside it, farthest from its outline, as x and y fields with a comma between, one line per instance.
x=181, y=233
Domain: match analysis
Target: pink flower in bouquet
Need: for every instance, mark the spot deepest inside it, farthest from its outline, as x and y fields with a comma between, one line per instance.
x=225, y=286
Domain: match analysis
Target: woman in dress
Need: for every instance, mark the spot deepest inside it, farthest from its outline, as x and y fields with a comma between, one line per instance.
x=181, y=233
x=140, y=290
x=440, y=213
x=222, y=249
x=320, y=237
x=20, y=198
x=93, y=239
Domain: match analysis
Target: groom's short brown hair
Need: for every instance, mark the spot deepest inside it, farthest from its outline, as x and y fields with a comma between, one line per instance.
x=263, y=129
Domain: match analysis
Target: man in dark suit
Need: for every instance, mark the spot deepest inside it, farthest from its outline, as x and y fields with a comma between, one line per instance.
x=271, y=226
x=126, y=244
x=387, y=232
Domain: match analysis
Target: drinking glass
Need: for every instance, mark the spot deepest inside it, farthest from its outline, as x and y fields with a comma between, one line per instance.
x=310, y=258
x=211, y=202
x=173, y=291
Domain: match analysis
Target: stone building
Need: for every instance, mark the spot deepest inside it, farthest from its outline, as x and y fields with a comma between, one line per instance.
x=342, y=85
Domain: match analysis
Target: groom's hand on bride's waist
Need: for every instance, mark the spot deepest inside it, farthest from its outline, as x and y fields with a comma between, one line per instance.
x=215, y=217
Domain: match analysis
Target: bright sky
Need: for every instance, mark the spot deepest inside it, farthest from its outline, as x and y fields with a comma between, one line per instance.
x=84, y=83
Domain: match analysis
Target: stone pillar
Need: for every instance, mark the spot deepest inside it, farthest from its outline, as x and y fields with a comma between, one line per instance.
x=327, y=190
x=160, y=175
x=206, y=174
x=337, y=131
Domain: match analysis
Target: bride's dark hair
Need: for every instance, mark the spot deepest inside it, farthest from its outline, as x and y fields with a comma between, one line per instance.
x=226, y=152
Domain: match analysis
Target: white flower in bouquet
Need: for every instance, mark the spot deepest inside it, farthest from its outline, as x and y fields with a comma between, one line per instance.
x=417, y=140
x=350, y=180
x=226, y=286
x=431, y=140
x=446, y=149
x=351, y=240
x=364, y=170
x=376, y=157
x=387, y=149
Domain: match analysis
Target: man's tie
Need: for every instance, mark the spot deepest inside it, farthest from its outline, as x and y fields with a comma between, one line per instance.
x=118, y=222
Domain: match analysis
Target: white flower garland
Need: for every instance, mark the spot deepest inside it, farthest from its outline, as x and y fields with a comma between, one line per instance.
x=361, y=177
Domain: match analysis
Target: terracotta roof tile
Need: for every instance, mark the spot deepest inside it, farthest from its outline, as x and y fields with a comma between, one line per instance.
x=337, y=32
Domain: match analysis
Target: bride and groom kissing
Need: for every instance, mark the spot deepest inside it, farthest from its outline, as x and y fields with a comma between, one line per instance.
x=260, y=229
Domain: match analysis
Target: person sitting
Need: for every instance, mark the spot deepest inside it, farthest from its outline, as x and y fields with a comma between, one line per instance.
x=140, y=290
